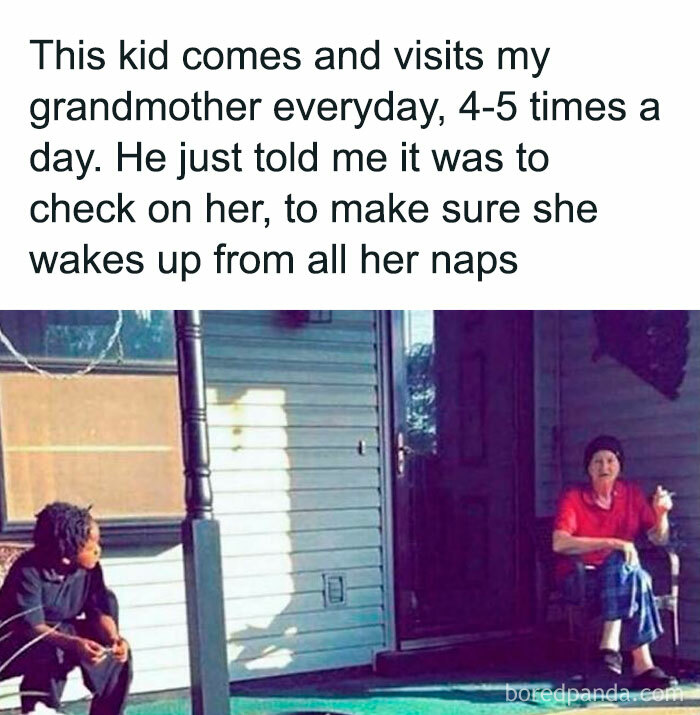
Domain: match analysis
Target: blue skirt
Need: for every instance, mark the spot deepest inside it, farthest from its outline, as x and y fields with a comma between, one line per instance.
x=616, y=591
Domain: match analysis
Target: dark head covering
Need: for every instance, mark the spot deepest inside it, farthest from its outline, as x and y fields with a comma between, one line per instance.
x=604, y=442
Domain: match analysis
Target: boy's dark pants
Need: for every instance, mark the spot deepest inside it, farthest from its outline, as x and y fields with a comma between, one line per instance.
x=46, y=667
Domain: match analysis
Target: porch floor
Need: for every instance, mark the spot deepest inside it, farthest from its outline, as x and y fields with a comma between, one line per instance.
x=487, y=693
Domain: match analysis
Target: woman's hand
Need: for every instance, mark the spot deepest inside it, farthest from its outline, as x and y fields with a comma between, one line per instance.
x=661, y=501
x=629, y=551
x=120, y=648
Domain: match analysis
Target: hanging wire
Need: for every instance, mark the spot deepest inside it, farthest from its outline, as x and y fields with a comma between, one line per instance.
x=66, y=376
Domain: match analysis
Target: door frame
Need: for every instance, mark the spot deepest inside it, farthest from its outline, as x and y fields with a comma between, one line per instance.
x=383, y=319
x=396, y=501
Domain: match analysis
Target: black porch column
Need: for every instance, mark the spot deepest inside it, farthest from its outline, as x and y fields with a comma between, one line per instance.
x=200, y=531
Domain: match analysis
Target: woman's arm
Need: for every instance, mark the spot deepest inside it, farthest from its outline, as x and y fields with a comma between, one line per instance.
x=568, y=545
x=661, y=504
x=659, y=534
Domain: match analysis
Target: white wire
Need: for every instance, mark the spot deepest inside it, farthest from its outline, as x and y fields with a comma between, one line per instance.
x=66, y=376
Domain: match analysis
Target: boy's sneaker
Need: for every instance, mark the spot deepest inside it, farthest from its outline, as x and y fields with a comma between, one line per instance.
x=41, y=709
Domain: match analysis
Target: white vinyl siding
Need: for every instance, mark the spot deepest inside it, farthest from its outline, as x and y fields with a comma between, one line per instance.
x=295, y=497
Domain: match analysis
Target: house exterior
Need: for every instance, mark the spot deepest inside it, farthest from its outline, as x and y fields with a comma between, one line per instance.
x=363, y=489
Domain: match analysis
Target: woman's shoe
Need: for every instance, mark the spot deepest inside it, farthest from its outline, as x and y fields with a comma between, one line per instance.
x=652, y=679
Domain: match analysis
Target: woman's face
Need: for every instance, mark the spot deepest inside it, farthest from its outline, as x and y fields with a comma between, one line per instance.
x=603, y=469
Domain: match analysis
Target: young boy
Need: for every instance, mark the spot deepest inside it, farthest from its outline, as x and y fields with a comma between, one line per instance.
x=56, y=614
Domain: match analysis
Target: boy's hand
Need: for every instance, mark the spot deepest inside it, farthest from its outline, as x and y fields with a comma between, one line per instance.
x=89, y=651
x=120, y=648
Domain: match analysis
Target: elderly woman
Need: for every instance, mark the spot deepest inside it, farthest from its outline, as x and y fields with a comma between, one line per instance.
x=599, y=522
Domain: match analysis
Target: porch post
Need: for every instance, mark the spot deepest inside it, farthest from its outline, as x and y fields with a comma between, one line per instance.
x=200, y=531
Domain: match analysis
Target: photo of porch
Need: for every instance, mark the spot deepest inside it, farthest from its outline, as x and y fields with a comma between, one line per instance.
x=376, y=481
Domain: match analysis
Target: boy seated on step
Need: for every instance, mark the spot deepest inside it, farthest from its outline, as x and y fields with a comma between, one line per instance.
x=56, y=614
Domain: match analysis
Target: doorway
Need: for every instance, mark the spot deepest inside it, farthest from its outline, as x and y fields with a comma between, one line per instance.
x=463, y=473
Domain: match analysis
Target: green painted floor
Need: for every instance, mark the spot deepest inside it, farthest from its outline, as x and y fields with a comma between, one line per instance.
x=449, y=694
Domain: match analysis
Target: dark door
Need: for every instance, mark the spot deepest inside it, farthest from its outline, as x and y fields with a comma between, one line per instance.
x=463, y=471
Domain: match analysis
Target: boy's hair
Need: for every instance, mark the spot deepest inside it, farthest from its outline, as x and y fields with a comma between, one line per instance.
x=61, y=530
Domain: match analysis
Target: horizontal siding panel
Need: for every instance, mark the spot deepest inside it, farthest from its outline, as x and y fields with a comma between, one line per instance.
x=288, y=373
x=685, y=444
x=336, y=620
x=283, y=480
x=285, y=521
x=338, y=458
x=162, y=647
x=298, y=603
x=136, y=620
x=360, y=354
x=150, y=594
x=253, y=502
x=168, y=571
x=151, y=628
x=286, y=584
x=147, y=627
x=362, y=333
x=254, y=415
x=291, y=437
x=309, y=561
x=676, y=418
x=173, y=593
x=653, y=405
x=579, y=355
x=225, y=392
x=260, y=544
x=305, y=643
x=118, y=556
x=143, y=573
x=624, y=387
x=154, y=680
x=356, y=318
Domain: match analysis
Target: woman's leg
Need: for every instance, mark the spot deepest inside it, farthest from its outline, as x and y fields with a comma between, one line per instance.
x=610, y=637
x=641, y=659
x=626, y=595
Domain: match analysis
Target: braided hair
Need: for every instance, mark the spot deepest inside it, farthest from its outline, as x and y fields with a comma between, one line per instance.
x=61, y=530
